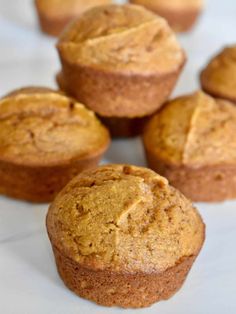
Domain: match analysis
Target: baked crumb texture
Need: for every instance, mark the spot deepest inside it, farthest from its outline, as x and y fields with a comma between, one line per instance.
x=192, y=142
x=180, y=14
x=122, y=236
x=121, y=61
x=45, y=139
x=219, y=76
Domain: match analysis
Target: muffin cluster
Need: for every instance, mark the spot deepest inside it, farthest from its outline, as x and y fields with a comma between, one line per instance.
x=122, y=235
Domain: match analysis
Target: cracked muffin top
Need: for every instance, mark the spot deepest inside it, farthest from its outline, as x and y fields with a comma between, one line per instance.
x=61, y=8
x=43, y=127
x=219, y=77
x=124, y=38
x=194, y=130
x=124, y=218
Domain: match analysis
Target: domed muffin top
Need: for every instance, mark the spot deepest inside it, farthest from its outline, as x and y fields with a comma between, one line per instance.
x=219, y=77
x=124, y=38
x=124, y=218
x=194, y=130
x=43, y=127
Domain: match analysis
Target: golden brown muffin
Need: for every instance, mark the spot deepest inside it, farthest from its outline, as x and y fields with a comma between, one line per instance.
x=46, y=139
x=121, y=61
x=192, y=142
x=219, y=76
x=180, y=14
x=54, y=15
x=122, y=236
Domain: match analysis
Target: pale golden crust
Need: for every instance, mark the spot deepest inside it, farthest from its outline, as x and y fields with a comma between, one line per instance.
x=48, y=128
x=219, y=76
x=195, y=130
x=125, y=219
x=126, y=39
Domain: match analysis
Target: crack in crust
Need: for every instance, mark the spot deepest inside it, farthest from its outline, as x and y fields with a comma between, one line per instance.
x=122, y=38
x=45, y=125
x=124, y=217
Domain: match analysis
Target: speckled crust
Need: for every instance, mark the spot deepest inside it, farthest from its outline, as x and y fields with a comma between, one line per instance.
x=195, y=149
x=180, y=19
x=218, y=77
x=125, y=290
x=118, y=127
x=30, y=168
x=127, y=64
x=122, y=236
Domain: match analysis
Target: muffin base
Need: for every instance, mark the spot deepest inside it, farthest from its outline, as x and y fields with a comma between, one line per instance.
x=113, y=94
x=51, y=25
x=126, y=290
x=203, y=184
x=179, y=20
x=39, y=184
x=118, y=127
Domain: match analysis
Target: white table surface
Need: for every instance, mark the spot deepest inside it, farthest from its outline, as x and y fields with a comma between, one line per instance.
x=29, y=283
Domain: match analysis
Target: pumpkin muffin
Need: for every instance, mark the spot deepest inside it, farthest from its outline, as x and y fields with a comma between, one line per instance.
x=122, y=236
x=181, y=14
x=46, y=138
x=219, y=76
x=54, y=15
x=121, y=61
x=192, y=142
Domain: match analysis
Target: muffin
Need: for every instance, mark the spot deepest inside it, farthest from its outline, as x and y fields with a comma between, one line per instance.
x=46, y=138
x=192, y=142
x=54, y=15
x=121, y=61
x=219, y=76
x=122, y=236
x=181, y=14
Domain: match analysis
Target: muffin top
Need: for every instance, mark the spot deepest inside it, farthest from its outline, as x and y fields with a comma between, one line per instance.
x=124, y=218
x=57, y=8
x=173, y=4
x=194, y=130
x=219, y=77
x=124, y=38
x=43, y=127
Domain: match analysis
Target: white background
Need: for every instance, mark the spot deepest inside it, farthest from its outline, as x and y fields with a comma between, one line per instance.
x=29, y=283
